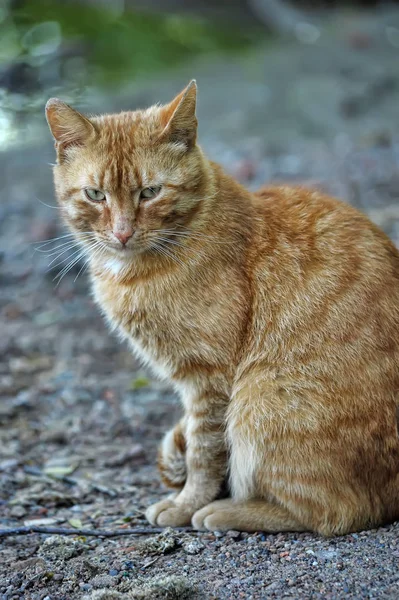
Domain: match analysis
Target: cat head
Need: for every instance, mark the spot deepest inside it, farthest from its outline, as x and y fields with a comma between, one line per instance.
x=126, y=181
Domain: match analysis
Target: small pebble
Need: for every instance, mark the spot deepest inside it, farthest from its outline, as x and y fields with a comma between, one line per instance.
x=103, y=581
x=232, y=533
x=192, y=546
x=18, y=511
x=85, y=587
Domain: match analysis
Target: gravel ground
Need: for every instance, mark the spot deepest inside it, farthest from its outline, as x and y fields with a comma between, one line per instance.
x=80, y=418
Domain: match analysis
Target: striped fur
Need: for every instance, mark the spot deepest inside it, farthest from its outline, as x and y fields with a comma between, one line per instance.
x=172, y=458
x=275, y=315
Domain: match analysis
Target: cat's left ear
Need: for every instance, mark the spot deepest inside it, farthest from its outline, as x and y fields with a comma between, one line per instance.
x=179, y=119
x=68, y=126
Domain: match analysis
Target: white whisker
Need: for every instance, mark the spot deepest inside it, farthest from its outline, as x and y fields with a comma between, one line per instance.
x=97, y=247
x=67, y=268
x=73, y=262
x=61, y=237
x=191, y=234
x=162, y=250
x=169, y=241
x=70, y=247
x=48, y=205
x=63, y=260
x=59, y=254
x=56, y=249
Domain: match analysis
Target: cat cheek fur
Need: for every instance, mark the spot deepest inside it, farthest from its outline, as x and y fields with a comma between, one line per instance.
x=275, y=315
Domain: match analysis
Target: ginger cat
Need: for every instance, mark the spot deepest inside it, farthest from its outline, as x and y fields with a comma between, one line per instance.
x=275, y=315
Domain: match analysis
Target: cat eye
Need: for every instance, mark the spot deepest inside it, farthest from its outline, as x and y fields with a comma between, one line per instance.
x=94, y=195
x=150, y=192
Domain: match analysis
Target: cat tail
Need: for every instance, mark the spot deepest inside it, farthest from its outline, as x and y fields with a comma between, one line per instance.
x=172, y=458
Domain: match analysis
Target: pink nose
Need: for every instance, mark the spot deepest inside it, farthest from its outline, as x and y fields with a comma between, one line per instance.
x=123, y=237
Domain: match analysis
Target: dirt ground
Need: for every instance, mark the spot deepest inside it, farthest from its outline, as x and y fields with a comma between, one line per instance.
x=81, y=420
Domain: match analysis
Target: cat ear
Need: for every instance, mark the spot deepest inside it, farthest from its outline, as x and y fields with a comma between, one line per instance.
x=178, y=117
x=67, y=125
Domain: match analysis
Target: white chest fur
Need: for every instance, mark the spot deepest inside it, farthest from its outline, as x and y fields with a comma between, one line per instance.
x=131, y=313
x=173, y=324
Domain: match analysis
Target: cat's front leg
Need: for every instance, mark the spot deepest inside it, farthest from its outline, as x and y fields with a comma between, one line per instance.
x=206, y=465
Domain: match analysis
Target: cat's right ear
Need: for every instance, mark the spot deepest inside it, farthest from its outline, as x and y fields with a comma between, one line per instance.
x=68, y=126
x=178, y=117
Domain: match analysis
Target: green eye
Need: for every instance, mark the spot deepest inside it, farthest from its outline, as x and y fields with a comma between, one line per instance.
x=150, y=192
x=94, y=195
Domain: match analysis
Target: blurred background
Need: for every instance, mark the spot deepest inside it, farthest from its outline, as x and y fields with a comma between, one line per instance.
x=301, y=92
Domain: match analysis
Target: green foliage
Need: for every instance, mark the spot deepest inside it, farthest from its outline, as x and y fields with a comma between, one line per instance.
x=119, y=46
x=139, y=382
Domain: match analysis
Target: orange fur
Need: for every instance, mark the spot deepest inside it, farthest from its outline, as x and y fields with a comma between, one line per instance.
x=275, y=315
x=172, y=458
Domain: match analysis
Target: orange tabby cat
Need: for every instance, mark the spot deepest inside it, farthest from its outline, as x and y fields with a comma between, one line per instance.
x=275, y=315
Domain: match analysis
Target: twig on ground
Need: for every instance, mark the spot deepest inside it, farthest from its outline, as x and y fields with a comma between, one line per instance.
x=148, y=564
x=85, y=532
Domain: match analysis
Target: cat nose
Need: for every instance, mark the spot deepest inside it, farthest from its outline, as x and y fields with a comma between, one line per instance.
x=123, y=236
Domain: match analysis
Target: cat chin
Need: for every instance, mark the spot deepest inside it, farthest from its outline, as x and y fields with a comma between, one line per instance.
x=115, y=265
x=116, y=260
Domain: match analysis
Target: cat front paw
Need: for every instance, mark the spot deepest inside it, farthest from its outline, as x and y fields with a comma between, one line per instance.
x=215, y=516
x=167, y=513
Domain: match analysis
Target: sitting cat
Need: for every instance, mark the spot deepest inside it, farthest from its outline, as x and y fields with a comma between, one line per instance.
x=275, y=315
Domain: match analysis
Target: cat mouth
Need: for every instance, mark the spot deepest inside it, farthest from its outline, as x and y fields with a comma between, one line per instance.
x=124, y=250
x=130, y=249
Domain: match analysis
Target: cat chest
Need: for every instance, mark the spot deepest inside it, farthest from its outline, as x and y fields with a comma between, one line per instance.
x=162, y=329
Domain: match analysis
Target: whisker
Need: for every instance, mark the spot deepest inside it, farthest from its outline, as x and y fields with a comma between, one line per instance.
x=159, y=249
x=82, y=268
x=200, y=236
x=63, y=260
x=67, y=268
x=54, y=250
x=189, y=251
x=61, y=237
x=169, y=241
x=58, y=254
x=67, y=246
x=191, y=234
x=48, y=205
x=165, y=252
x=74, y=260
x=99, y=245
